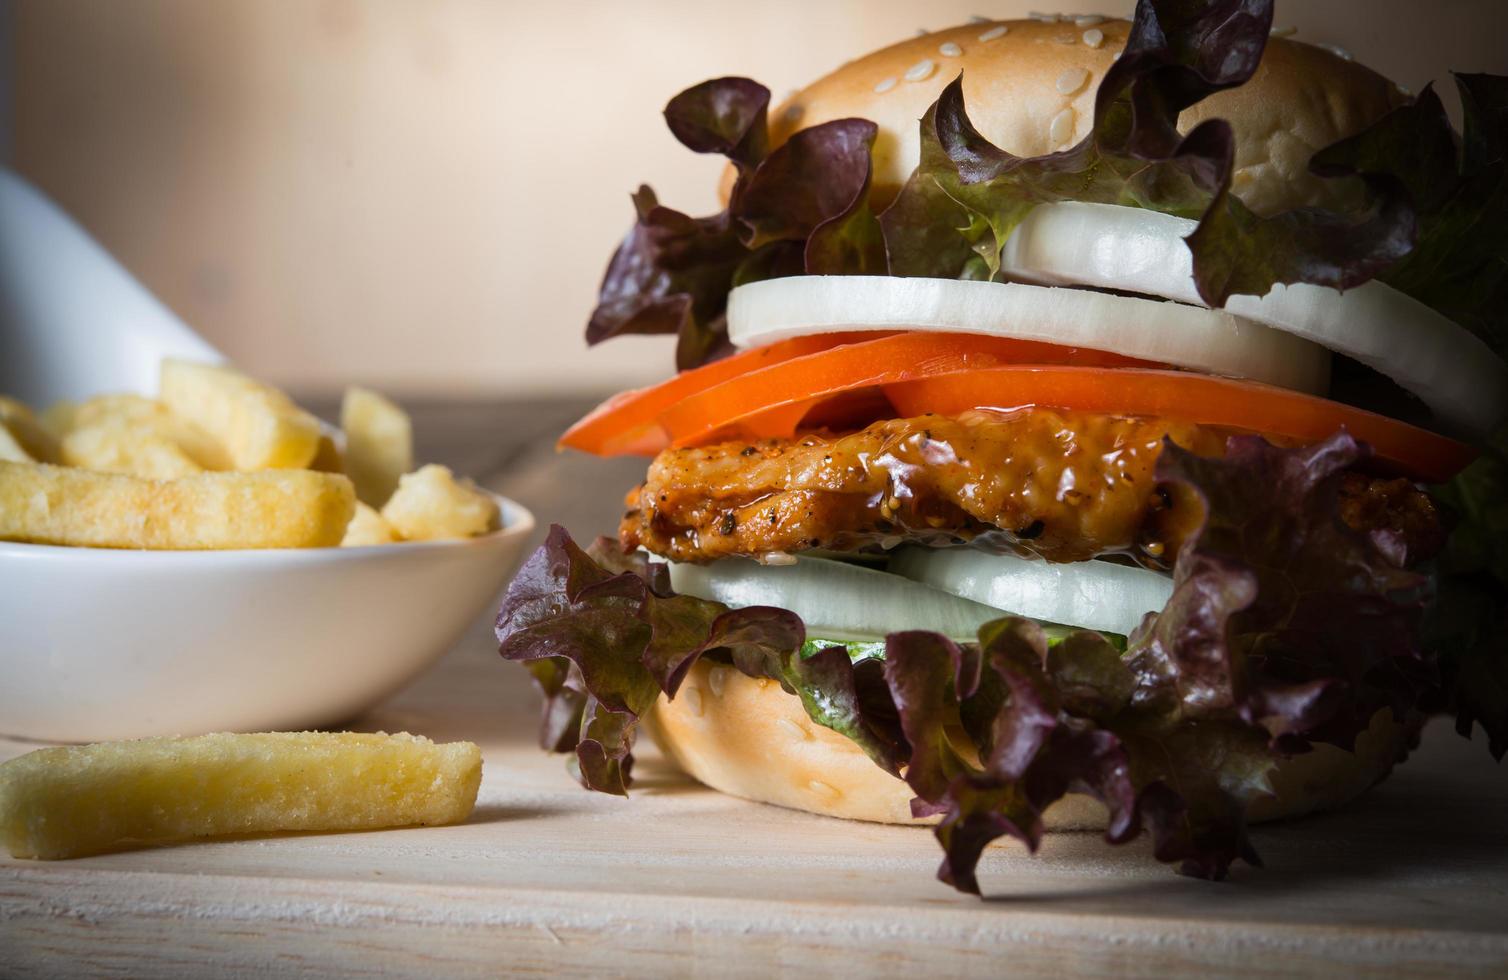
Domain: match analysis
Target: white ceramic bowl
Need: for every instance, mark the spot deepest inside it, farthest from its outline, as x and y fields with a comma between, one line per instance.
x=98, y=644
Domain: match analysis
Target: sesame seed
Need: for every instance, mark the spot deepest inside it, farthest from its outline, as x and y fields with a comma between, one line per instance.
x=1066, y=39
x=821, y=789
x=922, y=32
x=1060, y=131
x=1071, y=80
x=777, y=558
x=1094, y=37
x=693, y=698
x=976, y=19
x=1283, y=31
x=1042, y=18
x=949, y=50
x=791, y=728
x=921, y=70
x=1087, y=20
x=994, y=33
x=717, y=679
x=1338, y=51
x=884, y=85
x=1404, y=89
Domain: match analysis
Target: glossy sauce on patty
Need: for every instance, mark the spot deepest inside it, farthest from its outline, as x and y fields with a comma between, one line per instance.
x=1062, y=485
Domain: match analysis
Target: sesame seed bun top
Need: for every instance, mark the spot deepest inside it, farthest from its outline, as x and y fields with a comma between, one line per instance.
x=1029, y=86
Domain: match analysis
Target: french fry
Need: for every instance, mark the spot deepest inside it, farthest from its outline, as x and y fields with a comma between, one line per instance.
x=76, y=800
x=129, y=420
x=10, y=449
x=379, y=444
x=27, y=431
x=137, y=409
x=119, y=446
x=276, y=509
x=259, y=426
x=368, y=527
x=431, y=503
x=57, y=418
x=328, y=458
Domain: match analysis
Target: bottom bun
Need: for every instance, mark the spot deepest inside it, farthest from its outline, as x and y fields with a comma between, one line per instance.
x=748, y=738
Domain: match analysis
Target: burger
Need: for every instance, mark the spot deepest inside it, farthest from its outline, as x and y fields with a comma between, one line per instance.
x=1078, y=423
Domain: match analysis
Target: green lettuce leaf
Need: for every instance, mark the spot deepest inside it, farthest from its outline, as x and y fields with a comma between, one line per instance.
x=1459, y=264
x=1435, y=227
x=1468, y=619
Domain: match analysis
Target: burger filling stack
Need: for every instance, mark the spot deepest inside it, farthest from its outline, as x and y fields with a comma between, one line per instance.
x=1078, y=423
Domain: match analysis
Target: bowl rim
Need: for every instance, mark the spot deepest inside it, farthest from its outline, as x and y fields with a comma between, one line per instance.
x=518, y=521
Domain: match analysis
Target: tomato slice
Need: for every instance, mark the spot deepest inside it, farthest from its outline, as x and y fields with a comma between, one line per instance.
x=628, y=422
x=846, y=380
x=771, y=402
x=1198, y=398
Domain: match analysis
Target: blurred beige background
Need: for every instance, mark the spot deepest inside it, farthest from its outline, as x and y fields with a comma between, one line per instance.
x=423, y=195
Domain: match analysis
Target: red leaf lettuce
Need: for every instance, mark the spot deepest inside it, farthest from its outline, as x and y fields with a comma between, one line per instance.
x=802, y=208
x=1433, y=222
x=1285, y=627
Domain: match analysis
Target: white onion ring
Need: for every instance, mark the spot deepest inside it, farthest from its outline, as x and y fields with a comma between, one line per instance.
x=952, y=591
x=1097, y=595
x=1210, y=341
x=1103, y=245
x=836, y=600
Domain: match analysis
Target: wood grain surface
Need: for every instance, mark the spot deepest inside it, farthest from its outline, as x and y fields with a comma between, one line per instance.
x=1412, y=880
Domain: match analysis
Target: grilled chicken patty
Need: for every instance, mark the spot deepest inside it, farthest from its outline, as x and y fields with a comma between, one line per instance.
x=1061, y=485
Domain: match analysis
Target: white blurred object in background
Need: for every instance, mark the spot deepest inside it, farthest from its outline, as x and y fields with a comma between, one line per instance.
x=74, y=322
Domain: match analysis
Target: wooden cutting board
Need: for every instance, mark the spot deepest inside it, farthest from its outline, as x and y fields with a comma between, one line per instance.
x=682, y=881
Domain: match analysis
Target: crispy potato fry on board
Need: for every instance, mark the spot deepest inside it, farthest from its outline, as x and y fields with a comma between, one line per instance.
x=259, y=426
x=27, y=431
x=379, y=444
x=368, y=527
x=275, y=509
x=76, y=800
x=119, y=446
x=431, y=503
